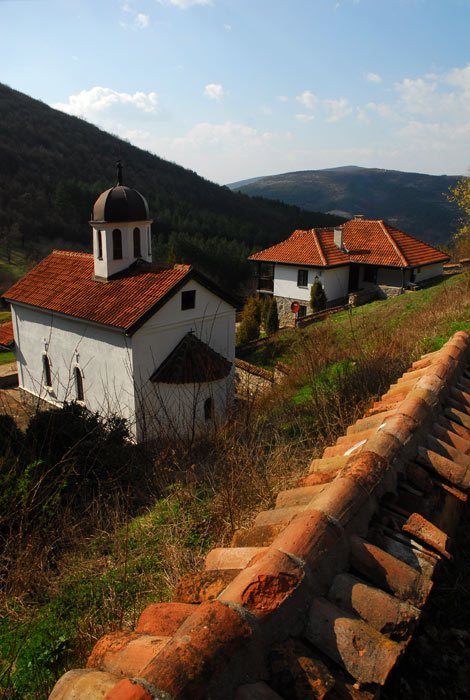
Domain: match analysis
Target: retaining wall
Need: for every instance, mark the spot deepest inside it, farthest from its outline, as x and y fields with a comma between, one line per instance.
x=320, y=597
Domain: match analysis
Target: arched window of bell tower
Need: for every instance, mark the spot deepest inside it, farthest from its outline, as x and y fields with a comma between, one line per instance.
x=117, y=244
x=137, y=253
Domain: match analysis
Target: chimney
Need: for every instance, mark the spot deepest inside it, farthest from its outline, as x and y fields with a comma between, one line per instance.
x=358, y=217
x=338, y=237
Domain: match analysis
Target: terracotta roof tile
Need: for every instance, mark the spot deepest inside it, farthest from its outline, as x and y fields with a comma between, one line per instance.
x=371, y=242
x=7, y=337
x=192, y=362
x=64, y=282
x=345, y=567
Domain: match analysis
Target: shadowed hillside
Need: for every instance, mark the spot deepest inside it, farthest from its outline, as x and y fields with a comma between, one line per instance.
x=53, y=166
x=413, y=202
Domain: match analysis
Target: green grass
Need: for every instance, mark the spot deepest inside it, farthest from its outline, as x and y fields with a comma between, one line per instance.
x=128, y=574
x=18, y=264
x=7, y=357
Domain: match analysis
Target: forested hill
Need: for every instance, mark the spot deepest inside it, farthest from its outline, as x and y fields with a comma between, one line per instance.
x=414, y=202
x=53, y=167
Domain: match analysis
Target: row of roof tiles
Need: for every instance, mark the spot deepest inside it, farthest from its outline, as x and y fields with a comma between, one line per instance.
x=313, y=601
x=64, y=283
x=372, y=242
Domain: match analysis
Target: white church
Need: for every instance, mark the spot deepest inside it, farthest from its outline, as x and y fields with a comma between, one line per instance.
x=152, y=343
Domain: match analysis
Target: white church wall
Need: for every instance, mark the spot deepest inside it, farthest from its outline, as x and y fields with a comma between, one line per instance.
x=212, y=320
x=180, y=410
x=103, y=356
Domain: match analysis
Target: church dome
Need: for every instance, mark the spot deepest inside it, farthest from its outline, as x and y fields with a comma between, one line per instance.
x=120, y=204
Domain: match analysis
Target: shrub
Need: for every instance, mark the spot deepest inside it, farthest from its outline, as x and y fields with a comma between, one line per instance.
x=271, y=323
x=317, y=297
x=250, y=324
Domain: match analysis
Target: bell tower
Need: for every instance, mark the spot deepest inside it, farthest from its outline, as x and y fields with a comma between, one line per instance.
x=121, y=229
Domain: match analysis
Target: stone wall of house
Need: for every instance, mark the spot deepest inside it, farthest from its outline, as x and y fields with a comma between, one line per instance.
x=286, y=317
x=384, y=291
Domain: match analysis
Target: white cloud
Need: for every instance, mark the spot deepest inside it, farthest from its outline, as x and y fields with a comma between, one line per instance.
x=215, y=91
x=141, y=21
x=308, y=99
x=184, y=4
x=283, y=98
x=304, y=117
x=374, y=78
x=338, y=109
x=383, y=110
x=90, y=103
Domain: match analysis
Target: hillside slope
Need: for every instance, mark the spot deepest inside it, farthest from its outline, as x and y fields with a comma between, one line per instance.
x=53, y=166
x=411, y=201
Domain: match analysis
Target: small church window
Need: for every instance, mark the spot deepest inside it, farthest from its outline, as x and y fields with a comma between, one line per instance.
x=209, y=409
x=149, y=242
x=46, y=367
x=188, y=300
x=79, y=395
x=137, y=252
x=117, y=244
x=99, y=241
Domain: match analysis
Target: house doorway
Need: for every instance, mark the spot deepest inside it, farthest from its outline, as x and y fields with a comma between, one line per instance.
x=353, y=283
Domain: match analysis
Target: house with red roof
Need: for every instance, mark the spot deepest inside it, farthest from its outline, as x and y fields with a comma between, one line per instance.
x=360, y=254
x=152, y=343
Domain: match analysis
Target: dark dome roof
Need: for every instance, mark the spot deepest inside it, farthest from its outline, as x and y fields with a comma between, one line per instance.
x=120, y=204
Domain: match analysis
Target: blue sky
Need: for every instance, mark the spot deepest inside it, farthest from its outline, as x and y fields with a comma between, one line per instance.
x=235, y=89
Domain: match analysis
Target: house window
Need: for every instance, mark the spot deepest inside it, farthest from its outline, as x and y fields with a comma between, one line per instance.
x=117, y=244
x=99, y=243
x=149, y=243
x=209, y=409
x=302, y=311
x=137, y=252
x=46, y=371
x=79, y=395
x=302, y=278
x=188, y=300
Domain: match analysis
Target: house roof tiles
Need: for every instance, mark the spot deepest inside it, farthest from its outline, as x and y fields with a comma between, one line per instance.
x=64, y=283
x=192, y=362
x=371, y=242
x=7, y=337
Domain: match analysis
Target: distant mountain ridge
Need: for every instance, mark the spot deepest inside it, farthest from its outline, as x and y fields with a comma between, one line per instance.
x=413, y=202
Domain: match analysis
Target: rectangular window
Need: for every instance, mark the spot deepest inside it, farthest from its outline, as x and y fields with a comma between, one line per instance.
x=188, y=300
x=302, y=278
x=302, y=311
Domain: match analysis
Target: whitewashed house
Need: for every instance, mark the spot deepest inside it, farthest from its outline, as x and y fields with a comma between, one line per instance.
x=360, y=254
x=152, y=343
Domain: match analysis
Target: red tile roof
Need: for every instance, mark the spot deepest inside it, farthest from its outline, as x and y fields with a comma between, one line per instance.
x=372, y=242
x=64, y=282
x=192, y=362
x=7, y=337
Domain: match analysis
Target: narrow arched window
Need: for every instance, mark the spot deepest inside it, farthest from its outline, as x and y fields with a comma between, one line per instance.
x=209, y=409
x=137, y=252
x=117, y=244
x=99, y=245
x=149, y=242
x=79, y=395
x=46, y=371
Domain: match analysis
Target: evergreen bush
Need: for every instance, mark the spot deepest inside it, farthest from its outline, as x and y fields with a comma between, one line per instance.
x=271, y=323
x=249, y=327
x=317, y=297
